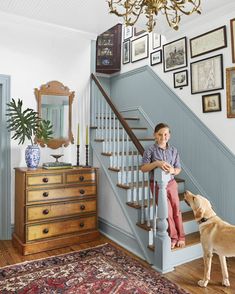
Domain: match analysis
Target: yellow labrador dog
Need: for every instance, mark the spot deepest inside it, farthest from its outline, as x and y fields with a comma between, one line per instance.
x=217, y=236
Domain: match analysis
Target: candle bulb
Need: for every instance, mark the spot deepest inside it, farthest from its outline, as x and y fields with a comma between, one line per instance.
x=87, y=136
x=78, y=142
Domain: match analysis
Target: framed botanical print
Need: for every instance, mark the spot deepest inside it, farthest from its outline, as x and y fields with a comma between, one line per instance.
x=208, y=42
x=127, y=32
x=232, y=26
x=180, y=79
x=230, y=91
x=156, y=57
x=126, y=52
x=156, y=40
x=207, y=74
x=211, y=102
x=175, y=55
x=139, y=48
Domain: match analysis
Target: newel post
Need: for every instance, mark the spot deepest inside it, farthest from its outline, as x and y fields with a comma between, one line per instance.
x=162, y=241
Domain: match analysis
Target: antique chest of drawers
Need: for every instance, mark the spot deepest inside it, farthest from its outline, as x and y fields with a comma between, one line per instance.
x=54, y=208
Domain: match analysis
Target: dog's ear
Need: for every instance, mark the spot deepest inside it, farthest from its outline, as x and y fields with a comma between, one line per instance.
x=199, y=213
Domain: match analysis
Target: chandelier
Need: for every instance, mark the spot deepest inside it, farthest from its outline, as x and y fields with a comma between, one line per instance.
x=131, y=10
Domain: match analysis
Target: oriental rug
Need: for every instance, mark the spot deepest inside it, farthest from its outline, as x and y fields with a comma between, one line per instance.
x=102, y=269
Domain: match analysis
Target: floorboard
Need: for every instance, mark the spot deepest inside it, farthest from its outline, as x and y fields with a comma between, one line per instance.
x=186, y=276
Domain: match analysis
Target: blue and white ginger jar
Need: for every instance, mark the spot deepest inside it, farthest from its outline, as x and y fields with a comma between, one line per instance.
x=32, y=156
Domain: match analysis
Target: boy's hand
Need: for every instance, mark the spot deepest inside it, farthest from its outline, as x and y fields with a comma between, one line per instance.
x=165, y=166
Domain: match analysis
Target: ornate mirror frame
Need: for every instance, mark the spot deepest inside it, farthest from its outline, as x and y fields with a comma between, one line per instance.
x=55, y=88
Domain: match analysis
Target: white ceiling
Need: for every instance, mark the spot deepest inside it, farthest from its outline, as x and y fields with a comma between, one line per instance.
x=89, y=16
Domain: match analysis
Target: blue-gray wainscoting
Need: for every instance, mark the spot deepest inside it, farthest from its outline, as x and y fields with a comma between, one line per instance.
x=208, y=165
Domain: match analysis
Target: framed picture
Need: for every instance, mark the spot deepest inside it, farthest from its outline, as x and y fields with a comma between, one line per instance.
x=180, y=78
x=230, y=91
x=139, y=48
x=207, y=74
x=156, y=40
x=156, y=57
x=211, y=102
x=127, y=32
x=138, y=31
x=208, y=42
x=175, y=55
x=126, y=52
x=232, y=26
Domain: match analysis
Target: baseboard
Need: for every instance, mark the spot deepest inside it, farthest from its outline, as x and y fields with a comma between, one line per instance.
x=119, y=236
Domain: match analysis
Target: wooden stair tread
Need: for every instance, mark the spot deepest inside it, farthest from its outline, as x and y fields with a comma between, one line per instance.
x=128, y=186
x=132, y=128
x=190, y=240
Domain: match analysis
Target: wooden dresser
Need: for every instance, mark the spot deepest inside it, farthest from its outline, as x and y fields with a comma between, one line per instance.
x=54, y=208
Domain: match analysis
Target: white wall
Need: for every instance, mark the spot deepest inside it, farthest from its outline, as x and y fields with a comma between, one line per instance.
x=33, y=54
x=217, y=122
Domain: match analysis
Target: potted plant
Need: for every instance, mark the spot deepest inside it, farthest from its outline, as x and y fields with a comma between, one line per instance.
x=26, y=124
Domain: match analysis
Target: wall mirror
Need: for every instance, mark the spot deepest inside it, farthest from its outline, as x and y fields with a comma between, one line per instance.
x=55, y=104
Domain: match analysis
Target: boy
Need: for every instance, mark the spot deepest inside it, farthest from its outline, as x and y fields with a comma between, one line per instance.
x=162, y=155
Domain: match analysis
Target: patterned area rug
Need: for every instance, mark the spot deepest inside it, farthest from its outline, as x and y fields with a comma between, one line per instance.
x=103, y=269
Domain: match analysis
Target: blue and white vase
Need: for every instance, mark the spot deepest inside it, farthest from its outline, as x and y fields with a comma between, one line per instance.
x=32, y=156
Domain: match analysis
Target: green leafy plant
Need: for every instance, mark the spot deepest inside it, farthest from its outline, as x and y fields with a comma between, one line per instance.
x=26, y=124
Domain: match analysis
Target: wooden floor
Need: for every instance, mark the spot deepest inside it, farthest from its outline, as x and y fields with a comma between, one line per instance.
x=186, y=276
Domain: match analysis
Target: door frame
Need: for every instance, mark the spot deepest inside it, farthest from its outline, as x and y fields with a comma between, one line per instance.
x=5, y=162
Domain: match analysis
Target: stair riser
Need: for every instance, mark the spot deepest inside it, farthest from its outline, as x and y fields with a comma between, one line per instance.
x=109, y=146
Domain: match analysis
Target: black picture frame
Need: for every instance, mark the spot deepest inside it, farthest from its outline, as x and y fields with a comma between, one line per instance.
x=207, y=74
x=138, y=31
x=208, y=42
x=175, y=55
x=156, y=57
x=211, y=102
x=140, y=48
x=126, y=54
x=180, y=78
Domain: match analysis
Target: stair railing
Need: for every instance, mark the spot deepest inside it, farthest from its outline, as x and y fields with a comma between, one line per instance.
x=125, y=152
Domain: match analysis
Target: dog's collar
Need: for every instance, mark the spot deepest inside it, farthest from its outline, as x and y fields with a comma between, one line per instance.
x=202, y=220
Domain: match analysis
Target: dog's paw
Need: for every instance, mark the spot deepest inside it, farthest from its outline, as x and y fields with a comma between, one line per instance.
x=203, y=283
x=226, y=283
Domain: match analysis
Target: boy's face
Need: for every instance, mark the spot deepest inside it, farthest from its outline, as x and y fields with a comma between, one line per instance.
x=162, y=136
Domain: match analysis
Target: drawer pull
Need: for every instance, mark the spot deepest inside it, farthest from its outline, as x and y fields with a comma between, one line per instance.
x=82, y=207
x=45, y=211
x=45, y=180
x=82, y=191
x=81, y=178
x=45, y=231
x=45, y=194
x=81, y=225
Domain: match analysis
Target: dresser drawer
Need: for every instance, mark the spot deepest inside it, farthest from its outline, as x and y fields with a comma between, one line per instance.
x=46, y=211
x=44, y=179
x=79, y=177
x=43, y=231
x=56, y=194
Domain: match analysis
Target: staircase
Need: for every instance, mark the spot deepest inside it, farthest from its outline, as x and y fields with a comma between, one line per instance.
x=118, y=143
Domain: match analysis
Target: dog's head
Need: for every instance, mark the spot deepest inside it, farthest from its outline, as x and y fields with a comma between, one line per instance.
x=201, y=206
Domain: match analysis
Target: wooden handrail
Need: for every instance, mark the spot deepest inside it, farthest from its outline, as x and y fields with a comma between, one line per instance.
x=131, y=135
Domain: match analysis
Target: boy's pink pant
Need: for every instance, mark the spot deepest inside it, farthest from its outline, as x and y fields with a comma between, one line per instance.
x=175, y=224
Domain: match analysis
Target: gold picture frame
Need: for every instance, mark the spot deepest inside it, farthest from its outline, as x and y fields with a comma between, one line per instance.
x=230, y=91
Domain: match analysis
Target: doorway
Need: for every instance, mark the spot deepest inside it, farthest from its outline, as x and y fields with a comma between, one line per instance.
x=5, y=162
